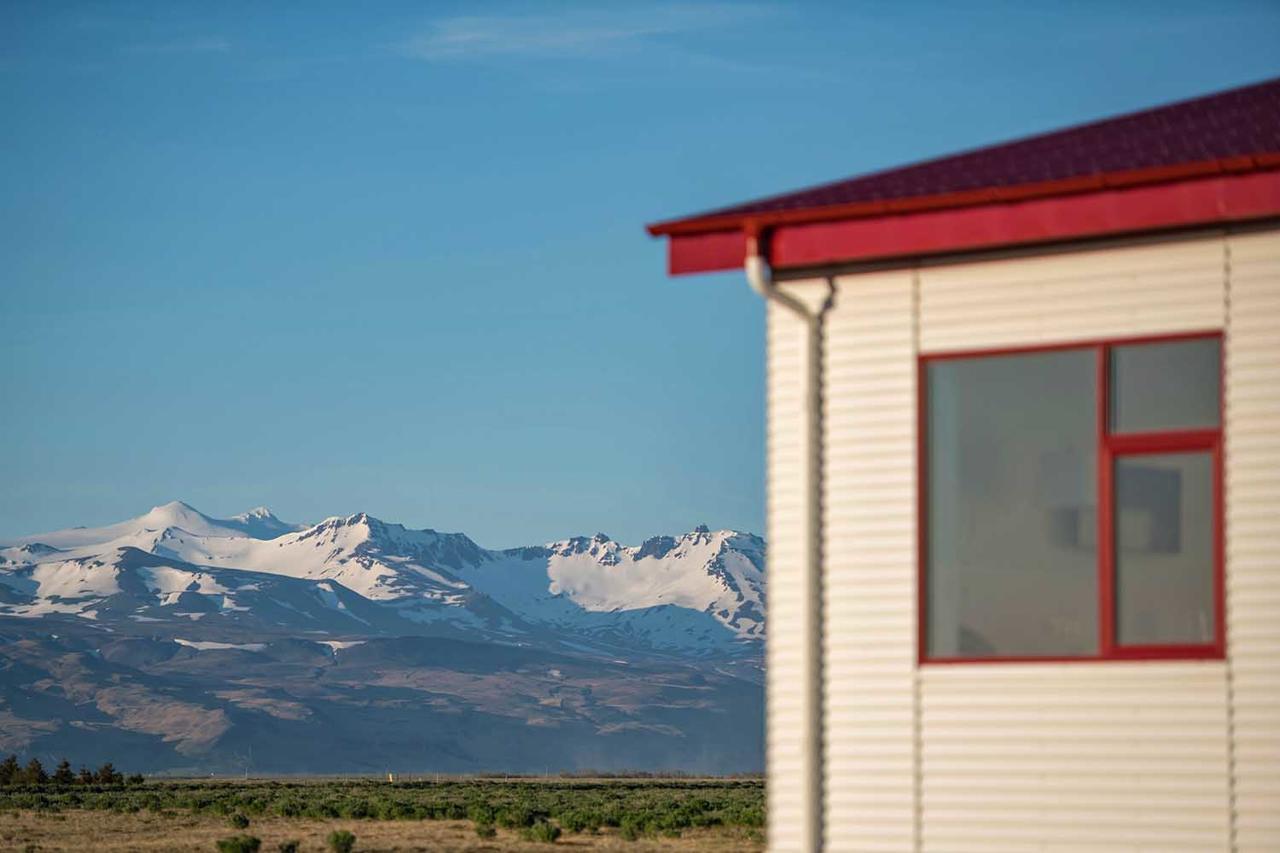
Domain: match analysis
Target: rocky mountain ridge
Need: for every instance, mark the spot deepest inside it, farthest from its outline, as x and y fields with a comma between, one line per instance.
x=699, y=593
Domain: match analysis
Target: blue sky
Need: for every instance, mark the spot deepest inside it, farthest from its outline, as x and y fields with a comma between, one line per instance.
x=389, y=257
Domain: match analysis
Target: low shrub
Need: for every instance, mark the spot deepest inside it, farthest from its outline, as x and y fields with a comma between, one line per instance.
x=485, y=829
x=480, y=813
x=578, y=820
x=290, y=846
x=542, y=832
x=342, y=841
x=517, y=816
x=635, y=807
x=239, y=844
x=629, y=829
x=238, y=820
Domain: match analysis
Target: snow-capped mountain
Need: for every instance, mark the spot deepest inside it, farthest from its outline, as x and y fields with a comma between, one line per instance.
x=701, y=593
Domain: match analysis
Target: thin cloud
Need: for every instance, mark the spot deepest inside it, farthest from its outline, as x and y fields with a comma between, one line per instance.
x=209, y=44
x=569, y=33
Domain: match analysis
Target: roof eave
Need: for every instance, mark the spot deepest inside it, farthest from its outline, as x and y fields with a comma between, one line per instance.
x=1232, y=189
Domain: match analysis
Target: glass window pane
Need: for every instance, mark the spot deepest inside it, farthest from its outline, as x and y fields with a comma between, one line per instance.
x=1166, y=386
x=1164, y=549
x=1012, y=518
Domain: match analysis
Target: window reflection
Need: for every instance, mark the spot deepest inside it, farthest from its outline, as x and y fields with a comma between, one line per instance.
x=1166, y=386
x=1164, y=549
x=1012, y=548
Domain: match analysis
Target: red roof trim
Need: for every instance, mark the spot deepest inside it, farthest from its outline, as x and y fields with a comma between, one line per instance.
x=709, y=252
x=1241, y=189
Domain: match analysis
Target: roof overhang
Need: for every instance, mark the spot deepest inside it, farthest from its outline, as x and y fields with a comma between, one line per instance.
x=1238, y=189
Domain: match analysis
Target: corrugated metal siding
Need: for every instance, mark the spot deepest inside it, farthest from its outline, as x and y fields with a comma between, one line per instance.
x=1253, y=533
x=1123, y=756
x=1075, y=756
x=787, y=661
x=1079, y=755
x=869, y=625
x=1134, y=290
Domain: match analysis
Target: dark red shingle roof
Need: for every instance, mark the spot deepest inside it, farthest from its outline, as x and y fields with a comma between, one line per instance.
x=1237, y=123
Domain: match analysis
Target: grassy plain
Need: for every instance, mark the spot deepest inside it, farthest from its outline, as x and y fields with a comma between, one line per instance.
x=593, y=814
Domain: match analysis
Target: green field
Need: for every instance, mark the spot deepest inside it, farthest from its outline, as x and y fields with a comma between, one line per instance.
x=622, y=809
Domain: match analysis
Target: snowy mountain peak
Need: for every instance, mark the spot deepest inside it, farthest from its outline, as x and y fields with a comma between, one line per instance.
x=258, y=512
x=262, y=523
x=719, y=573
x=38, y=549
x=360, y=523
x=657, y=546
x=175, y=514
x=175, y=506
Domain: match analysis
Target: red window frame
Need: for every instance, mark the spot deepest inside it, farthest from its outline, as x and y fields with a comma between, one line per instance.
x=1109, y=447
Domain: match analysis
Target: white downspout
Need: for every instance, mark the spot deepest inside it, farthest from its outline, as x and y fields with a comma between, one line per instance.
x=760, y=277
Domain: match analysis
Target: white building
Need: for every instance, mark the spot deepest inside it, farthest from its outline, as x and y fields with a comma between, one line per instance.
x=1024, y=489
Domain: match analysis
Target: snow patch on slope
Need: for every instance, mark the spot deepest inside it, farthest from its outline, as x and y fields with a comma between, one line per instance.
x=210, y=645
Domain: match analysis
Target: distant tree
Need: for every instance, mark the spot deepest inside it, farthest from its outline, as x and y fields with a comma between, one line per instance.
x=33, y=773
x=342, y=841
x=85, y=776
x=107, y=775
x=63, y=775
x=136, y=779
x=9, y=770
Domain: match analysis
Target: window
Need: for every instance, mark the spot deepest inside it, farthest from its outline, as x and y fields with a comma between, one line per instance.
x=1164, y=549
x=1165, y=386
x=1071, y=502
